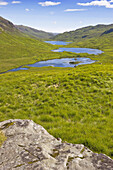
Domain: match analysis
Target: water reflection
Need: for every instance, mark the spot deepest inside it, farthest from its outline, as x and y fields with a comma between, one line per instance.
x=63, y=62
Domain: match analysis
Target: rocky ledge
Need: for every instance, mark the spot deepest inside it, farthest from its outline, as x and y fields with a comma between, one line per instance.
x=30, y=147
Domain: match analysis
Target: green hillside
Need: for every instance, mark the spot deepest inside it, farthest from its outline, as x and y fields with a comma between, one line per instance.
x=18, y=49
x=34, y=32
x=8, y=26
x=84, y=33
x=75, y=104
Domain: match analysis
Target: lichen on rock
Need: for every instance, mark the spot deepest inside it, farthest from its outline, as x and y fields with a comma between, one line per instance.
x=30, y=146
x=2, y=138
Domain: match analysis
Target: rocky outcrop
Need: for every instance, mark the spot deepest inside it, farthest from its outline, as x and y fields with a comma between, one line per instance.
x=7, y=26
x=30, y=147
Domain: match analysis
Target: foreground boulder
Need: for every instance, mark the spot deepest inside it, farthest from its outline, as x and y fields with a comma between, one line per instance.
x=30, y=147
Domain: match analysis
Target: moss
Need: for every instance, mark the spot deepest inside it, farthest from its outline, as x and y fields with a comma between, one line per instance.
x=18, y=165
x=2, y=138
x=33, y=162
x=82, y=150
x=7, y=125
x=55, y=153
x=68, y=161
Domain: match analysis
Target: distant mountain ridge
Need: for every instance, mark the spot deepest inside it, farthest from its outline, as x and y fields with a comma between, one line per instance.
x=9, y=27
x=85, y=33
x=34, y=32
x=76, y=35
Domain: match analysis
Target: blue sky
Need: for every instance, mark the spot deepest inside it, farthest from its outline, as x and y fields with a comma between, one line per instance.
x=57, y=15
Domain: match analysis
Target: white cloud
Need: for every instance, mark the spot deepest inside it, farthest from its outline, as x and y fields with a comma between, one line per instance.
x=109, y=6
x=55, y=22
x=49, y=3
x=3, y=3
x=75, y=10
x=16, y=2
x=81, y=22
x=104, y=3
x=52, y=13
x=27, y=9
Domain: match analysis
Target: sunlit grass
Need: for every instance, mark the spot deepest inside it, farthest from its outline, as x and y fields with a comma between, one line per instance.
x=75, y=104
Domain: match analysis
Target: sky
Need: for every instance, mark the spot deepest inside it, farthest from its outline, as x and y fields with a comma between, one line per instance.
x=57, y=15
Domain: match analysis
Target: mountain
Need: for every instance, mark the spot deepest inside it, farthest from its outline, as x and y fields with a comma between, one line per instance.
x=17, y=48
x=8, y=26
x=84, y=33
x=34, y=32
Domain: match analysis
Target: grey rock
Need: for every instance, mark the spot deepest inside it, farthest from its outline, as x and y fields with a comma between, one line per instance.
x=30, y=147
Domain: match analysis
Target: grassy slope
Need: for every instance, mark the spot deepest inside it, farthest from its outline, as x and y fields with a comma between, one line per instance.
x=34, y=32
x=16, y=50
x=104, y=43
x=84, y=33
x=75, y=104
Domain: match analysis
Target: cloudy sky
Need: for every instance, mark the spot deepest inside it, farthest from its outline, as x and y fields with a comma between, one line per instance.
x=57, y=15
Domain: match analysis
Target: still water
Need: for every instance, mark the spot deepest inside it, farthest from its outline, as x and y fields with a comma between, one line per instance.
x=58, y=42
x=64, y=62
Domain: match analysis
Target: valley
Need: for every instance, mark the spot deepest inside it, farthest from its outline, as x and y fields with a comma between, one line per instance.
x=75, y=104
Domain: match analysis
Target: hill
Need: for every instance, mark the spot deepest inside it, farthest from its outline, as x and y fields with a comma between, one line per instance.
x=17, y=48
x=75, y=104
x=8, y=26
x=34, y=32
x=84, y=33
x=108, y=31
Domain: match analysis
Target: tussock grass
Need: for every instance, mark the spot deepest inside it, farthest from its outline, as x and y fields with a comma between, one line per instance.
x=73, y=104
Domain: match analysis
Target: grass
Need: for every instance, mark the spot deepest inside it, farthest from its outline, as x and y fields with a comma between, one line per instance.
x=75, y=104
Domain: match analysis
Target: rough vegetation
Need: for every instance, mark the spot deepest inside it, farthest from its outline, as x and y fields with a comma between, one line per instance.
x=30, y=146
x=75, y=104
x=84, y=33
x=108, y=31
